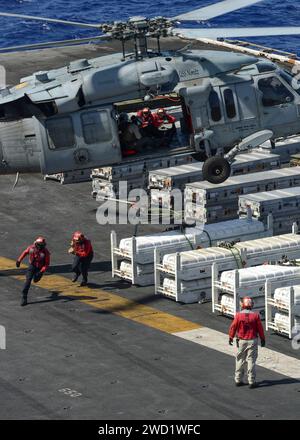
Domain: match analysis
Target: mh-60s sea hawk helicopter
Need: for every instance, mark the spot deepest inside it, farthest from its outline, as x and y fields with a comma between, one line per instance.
x=66, y=119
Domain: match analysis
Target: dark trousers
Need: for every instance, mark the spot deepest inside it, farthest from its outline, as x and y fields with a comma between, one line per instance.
x=32, y=273
x=81, y=265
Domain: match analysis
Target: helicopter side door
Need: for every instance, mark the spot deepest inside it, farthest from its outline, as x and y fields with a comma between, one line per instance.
x=80, y=140
x=279, y=110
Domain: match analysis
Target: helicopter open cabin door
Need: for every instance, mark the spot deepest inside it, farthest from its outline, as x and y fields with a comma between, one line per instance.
x=79, y=140
x=279, y=105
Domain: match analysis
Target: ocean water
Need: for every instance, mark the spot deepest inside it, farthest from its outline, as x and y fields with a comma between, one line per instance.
x=15, y=31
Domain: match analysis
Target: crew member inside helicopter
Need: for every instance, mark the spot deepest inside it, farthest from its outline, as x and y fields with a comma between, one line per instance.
x=161, y=120
x=157, y=125
x=131, y=138
x=147, y=123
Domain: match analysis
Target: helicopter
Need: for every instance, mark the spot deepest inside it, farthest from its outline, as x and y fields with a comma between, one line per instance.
x=66, y=119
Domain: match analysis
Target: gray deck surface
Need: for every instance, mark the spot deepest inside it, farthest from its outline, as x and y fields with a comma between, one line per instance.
x=123, y=370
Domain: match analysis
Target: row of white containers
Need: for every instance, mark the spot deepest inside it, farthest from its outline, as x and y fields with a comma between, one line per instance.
x=285, y=148
x=283, y=204
x=76, y=176
x=163, y=181
x=105, y=180
x=266, y=157
x=207, y=203
x=133, y=258
x=274, y=290
x=190, y=273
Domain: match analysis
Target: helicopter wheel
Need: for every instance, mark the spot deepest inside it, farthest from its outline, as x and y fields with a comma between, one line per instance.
x=216, y=170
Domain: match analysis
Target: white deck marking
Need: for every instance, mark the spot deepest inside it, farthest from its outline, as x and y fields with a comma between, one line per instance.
x=272, y=360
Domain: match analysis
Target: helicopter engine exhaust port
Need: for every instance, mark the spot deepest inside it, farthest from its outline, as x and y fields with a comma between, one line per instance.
x=216, y=170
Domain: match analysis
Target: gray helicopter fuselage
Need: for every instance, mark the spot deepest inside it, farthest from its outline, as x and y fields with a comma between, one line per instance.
x=65, y=119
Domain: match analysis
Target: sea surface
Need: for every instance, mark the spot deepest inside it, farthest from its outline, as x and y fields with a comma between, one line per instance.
x=16, y=32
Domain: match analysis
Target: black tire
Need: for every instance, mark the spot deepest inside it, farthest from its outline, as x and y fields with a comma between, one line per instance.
x=216, y=170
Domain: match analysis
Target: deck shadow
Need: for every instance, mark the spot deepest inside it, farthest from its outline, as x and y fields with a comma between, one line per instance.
x=271, y=383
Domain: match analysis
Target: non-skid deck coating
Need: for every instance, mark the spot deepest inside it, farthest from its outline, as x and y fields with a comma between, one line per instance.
x=151, y=317
x=112, y=344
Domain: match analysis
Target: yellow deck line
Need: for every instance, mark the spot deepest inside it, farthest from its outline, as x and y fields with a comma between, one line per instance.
x=107, y=301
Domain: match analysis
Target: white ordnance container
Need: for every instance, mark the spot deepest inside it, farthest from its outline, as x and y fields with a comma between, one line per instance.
x=227, y=302
x=179, y=176
x=70, y=177
x=285, y=148
x=282, y=298
x=204, y=200
x=210, y=214
x=144, y=273
x=283, y=225
x=208, y=194
x=103, y=189
x=279, y=203
x=175, y=241
x=137, y=167
x=197, y=264
x=193, y=291
x=252, y=279
x=281, y=321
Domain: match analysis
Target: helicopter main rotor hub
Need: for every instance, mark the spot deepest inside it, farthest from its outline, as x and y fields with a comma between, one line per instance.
x=138, y=29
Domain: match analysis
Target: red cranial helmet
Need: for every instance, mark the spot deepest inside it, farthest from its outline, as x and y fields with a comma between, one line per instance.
x=247, y=303
x=40, y=242
x=78, y=236
x=146, y=111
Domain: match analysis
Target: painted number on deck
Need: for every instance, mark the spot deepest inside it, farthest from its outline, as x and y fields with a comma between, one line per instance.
x=69, y=392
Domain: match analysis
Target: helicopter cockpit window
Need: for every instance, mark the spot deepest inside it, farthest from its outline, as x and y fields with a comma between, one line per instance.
x=274, y=92
x=96, y=127
x=60, y=133
x=229, y=104
x=293, y=81
x=215, y=107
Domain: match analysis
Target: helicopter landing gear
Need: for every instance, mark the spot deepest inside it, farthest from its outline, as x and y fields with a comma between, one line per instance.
x=216, y=169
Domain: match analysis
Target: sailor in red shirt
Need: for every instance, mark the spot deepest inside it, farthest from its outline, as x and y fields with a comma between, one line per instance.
x=39, y=261
x=247, y=326
x=147, y=123
x=161, y=118
x=83, y=253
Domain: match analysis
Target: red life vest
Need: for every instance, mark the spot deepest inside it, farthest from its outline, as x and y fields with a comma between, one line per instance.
x=246, y=325
x=39, y=258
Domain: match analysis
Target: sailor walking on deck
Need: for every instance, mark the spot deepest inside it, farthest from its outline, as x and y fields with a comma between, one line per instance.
x=39, y=261
x=246, y=326
x=83, y=253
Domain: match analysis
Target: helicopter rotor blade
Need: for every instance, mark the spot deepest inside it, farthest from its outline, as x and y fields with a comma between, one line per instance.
x=215, y=33
x=215, y=10
x=54, y=44
x=50, y=20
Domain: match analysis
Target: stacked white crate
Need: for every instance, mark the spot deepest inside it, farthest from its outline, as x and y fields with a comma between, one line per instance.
x=284, y=205
x=163, y=181
x=285, y=148
x=184, y=267
x=229, y=287
x=137, y=253
x=283, y=306
x=208, y=203
x=105, y=180
x=179, y=176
